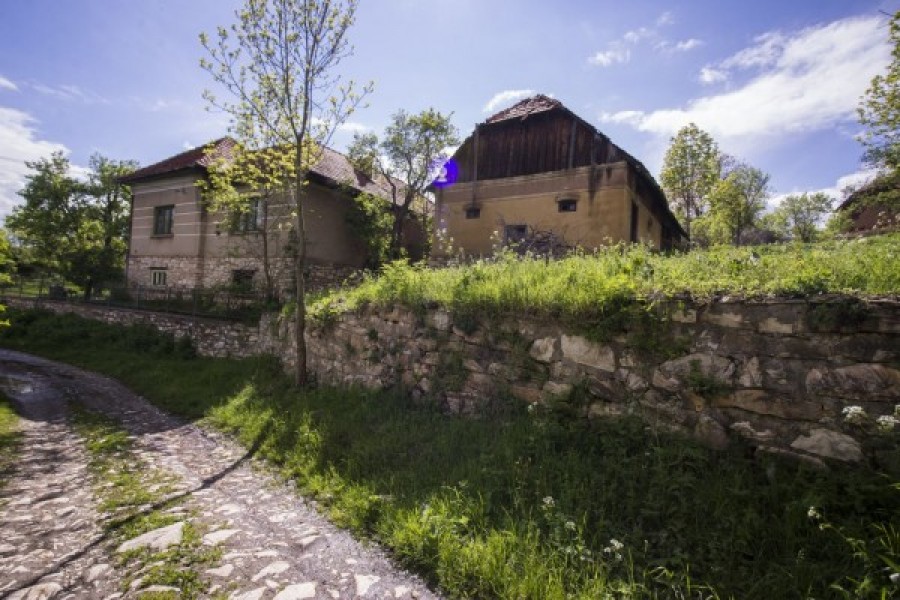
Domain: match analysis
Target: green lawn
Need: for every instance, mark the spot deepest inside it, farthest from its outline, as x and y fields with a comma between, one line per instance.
x=523, y=504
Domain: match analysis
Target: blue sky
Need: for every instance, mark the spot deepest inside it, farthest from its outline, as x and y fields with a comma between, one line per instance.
x=776, y=83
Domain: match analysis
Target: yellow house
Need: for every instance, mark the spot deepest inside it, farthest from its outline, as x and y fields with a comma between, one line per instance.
x=537, y=171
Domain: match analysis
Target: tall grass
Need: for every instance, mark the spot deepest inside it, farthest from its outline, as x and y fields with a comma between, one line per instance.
x=536, y=504
x=593, y=285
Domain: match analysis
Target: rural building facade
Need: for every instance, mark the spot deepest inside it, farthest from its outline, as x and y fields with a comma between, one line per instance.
x=874, y=208
x=175, y=241
x=536, y=171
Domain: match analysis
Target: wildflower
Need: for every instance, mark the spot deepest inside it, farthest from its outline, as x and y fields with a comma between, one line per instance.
x=855, y=415
x=570, y=525
x=895, y=578
x=549, y=502
x=813, y=513
x=887, y=423
x=614, y=549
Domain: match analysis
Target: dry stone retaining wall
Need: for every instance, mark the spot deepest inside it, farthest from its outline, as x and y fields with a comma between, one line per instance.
x=211, y=337
x=776, y=373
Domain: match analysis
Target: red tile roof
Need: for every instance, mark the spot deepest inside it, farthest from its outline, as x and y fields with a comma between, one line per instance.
x=526, y=108
x=333, y=166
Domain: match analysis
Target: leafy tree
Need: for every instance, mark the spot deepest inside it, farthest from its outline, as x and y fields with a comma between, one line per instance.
x=73, y=228
x=879, y=110
x=277, y=62
x=690, y=171
x=407, y=157
x=736, y=203
x=245, y=186
x=370, y=219
x=799, y=215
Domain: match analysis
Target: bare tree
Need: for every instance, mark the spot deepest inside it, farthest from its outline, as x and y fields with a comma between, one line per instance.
x=278, y=64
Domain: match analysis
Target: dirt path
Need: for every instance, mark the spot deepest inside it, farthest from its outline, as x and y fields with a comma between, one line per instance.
x=274, y=545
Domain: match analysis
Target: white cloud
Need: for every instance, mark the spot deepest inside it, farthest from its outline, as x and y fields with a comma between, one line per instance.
x=610, y=57
x=505, y=97
x=351, y=127
x=6, y=84
x=19, y=142
x=69, y=93
x=665, y=19
x=619, y=51
x=808, y=80
x=835, y=191
x=689, y=44
x=710, y=75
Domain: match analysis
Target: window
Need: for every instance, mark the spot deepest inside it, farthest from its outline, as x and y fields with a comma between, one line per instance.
x=567, y=205
x=158, y=277
x=473, y=212
x=247, y=220
x=242, y=279
x=515, y=233
x=162, y=220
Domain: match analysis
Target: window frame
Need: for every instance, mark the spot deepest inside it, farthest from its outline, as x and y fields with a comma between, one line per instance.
x=567, y=205
x=520, y=230
x=473, y=212
x=163, y=220
x=159, y=277
x=247, y=221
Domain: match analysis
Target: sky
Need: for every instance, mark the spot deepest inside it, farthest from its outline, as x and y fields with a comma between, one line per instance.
x=776, y=83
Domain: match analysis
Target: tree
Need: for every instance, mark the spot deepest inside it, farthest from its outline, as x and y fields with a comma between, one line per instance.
x=736, y=203
x=879, y=110
x=370, y=219
x=73, y=228
x=247, y=188
x=277, y=62
x=690, y=170
x=799, y=215
x=408, y=157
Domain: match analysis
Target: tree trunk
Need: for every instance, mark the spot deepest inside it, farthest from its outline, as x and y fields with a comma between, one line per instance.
x=397, y=233
x=300, y=374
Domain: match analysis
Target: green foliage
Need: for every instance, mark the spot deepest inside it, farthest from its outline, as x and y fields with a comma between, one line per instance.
x=408, y=157
x=75, y=229
x=597, y=293
x=879, y=110
x=537, y=505
x=10, y=438
x=690, y=172
x=799, y=215
x=702, y=384
x=735, y=204
x=370, y=219
x=834, y=316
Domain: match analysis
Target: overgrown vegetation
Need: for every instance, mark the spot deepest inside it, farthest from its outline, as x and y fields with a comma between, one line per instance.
x=127, y=488
x=9, y=438
x=534, y=503
x=590, y=292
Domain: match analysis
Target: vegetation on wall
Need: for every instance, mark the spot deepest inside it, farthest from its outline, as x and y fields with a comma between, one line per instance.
x=531, y=503
x=589, y=291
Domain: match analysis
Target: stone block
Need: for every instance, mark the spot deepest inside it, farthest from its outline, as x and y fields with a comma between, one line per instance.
x=555, y=389
x=527, y=393
x=827, y=443
x=584, y=352
x=543, y=349
x=764, y=403
x=863, y=381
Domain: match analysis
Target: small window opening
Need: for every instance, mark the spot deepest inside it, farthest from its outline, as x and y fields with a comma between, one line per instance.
x=473, y=212
x=568, y=205
x=163, y=217
x=242, y=279
x=515, y=233
x=158, y=277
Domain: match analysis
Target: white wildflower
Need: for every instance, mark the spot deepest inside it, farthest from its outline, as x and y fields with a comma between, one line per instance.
x=855, y=415
x=887, y=422
x=549, y=502
x=570, y=525
x=614, y=549
x=813, y=513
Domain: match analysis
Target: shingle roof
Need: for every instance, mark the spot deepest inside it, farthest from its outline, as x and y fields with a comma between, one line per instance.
x=333, y=167
x=527, y=107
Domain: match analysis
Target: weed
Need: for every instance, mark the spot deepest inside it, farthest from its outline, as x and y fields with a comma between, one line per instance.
x=10, y=438
x=834, y=316
x=702, y=384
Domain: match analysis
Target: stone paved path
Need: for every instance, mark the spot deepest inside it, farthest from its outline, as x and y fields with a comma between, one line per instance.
x=274, y=545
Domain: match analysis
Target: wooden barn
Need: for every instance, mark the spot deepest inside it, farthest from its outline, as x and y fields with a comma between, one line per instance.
x=537, y=172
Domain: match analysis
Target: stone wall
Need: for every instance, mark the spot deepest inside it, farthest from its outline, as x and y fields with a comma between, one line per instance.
x=776, y=373
x=211, y=337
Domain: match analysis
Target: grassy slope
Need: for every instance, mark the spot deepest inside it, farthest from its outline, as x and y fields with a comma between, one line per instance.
x=9, y=437
x=524, y=505
x=587, y=287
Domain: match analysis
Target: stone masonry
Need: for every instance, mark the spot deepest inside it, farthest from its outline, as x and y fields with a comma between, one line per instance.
x=777, y=373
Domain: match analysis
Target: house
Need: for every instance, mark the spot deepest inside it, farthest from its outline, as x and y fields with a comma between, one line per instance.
x=874, y=207
x=175, y=241
x=537, y=172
